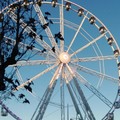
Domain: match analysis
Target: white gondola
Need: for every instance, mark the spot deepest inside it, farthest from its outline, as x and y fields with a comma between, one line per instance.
x=110, y=41
x=68, y=6
x=54, y=2
x=3, y=112
x=80, y=12
x=92, y=20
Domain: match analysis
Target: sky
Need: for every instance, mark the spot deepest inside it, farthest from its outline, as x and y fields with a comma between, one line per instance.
x=108, y=12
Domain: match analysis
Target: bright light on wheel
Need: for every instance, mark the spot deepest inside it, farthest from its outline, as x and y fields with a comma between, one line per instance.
x=64, y=57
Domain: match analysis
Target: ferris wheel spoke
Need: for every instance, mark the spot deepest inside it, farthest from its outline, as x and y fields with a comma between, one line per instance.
x=87, y=45
x=62, y=26
x=96, y=73
x=12, y=41
x=33, y=62
x=78, y=30
x=47, y=95
x=75, y=27
x=47, y=30
x=90, y=59
x=81, y=94
x=94, y=90
x=20, y=79
x=29, y=30
x=35, y=77
x=83, y=32
x=31, y=48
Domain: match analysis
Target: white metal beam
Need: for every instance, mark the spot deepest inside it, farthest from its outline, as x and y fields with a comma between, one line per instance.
x=29, y=30
x=62, y=25
x=90, y=59
x=94, y=90
x=47, y=30
x=33, y=62
x=35, y=77
x=78, y=30
x=46, y=97
x=96, y=73
x=87, y=45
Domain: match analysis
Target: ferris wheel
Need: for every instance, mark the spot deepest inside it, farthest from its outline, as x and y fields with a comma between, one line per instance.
x=60, y=59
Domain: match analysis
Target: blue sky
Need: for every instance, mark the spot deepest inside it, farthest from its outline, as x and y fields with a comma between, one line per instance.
x=108, y=12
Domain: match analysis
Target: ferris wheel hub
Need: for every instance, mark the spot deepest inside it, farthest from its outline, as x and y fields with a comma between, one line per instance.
x=64, y=57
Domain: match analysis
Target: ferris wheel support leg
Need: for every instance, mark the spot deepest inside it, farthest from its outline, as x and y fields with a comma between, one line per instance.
x=95, y=91
x=46, y=97
x=45, y=102
x=85, y=103
x=74, y=100
x=81, y=94
x=62, y=100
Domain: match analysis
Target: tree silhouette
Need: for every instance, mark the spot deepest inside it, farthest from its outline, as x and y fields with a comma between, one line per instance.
x=16, y=41
x=11, y=24
x=9, y=52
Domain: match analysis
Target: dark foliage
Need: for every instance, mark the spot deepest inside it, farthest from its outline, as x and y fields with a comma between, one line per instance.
x=12, y=49
x=26, y=101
